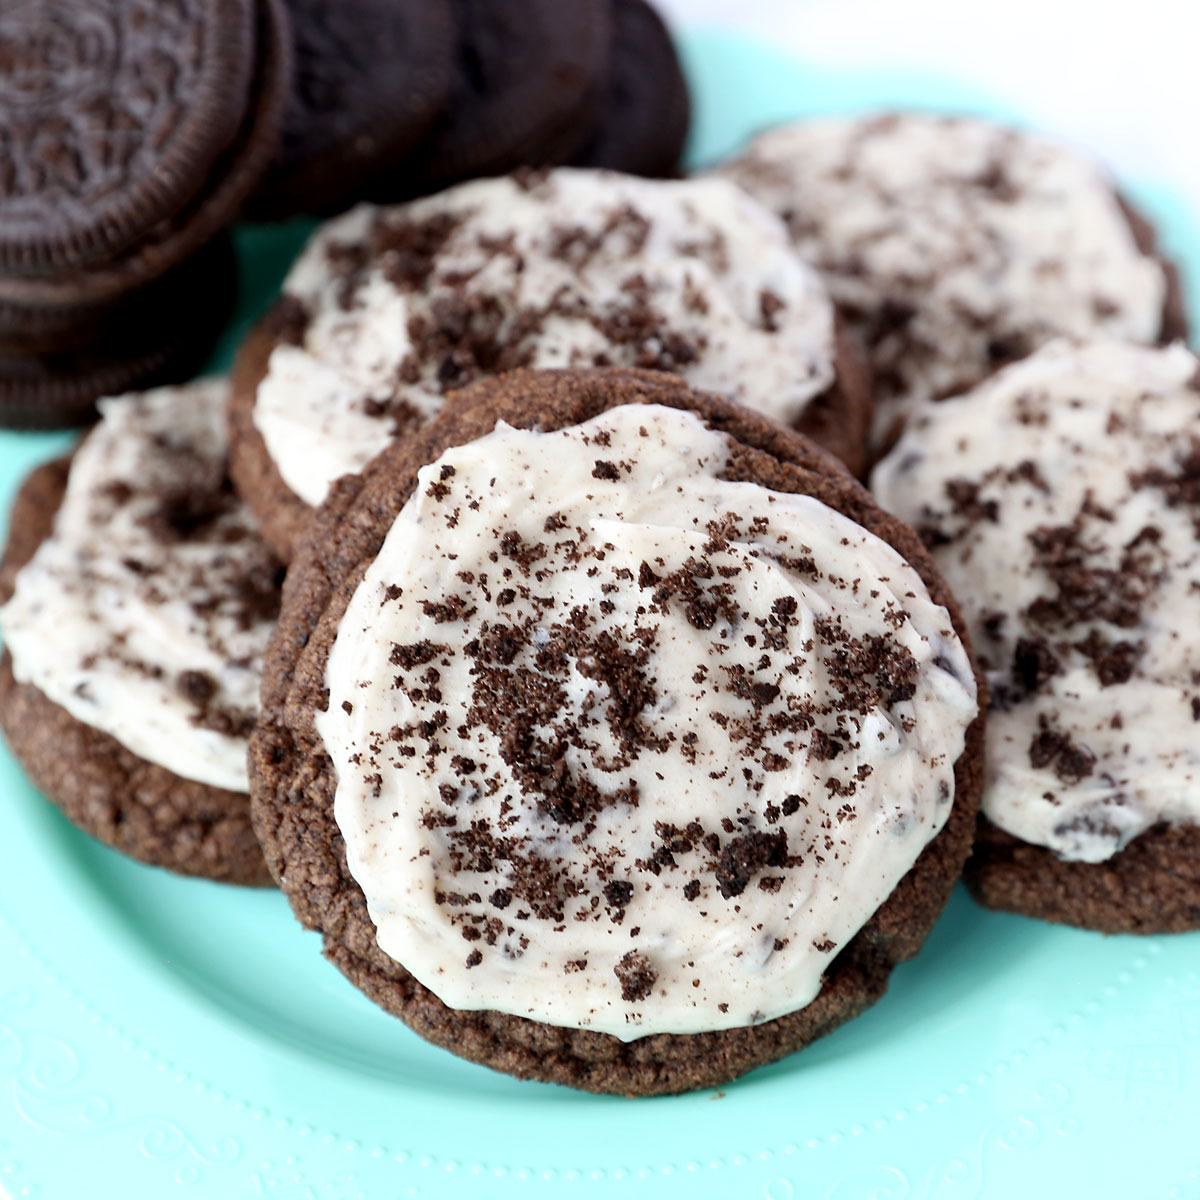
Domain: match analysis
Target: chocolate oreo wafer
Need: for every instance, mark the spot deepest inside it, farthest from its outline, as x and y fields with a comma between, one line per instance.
x=115, y=115
x=370, y=77
x=218, y=192
x=647, y=110
x=51, y=374
x=529, y=76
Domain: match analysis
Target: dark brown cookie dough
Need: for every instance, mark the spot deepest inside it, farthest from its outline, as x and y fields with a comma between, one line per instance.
x=838, y=419
x=282, y=516
x=132, y=805
x=292, y=779
x=1152, y=886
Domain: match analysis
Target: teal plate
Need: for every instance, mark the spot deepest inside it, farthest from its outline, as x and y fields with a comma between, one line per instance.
x=163, y=1036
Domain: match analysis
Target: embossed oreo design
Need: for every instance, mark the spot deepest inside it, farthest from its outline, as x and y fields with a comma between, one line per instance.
x=114, y=112
x=623, y=745
x=54, y=51
x=1061, y=501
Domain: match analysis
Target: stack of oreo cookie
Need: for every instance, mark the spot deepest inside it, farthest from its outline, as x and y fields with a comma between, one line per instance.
x=393, y=100
x=133, y=132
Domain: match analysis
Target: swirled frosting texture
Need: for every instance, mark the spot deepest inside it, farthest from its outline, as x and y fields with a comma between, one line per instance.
x=146, y=612
x=394, y=307
x=1061, y=501
x=953, y=245
x=626, y=746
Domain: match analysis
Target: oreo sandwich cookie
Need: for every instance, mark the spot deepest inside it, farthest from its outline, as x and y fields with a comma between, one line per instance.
x=214, y=199
x=644, y=123
x=530, y=79
x=388, y=310
x=115, y=115
x=370, y=78
x=956, y=245
x=56, y=362
x=612, y=736
x=1060, y=499
x=139, y=598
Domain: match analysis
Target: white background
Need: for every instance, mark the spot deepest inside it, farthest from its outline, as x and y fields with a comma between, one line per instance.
x=1119, y=76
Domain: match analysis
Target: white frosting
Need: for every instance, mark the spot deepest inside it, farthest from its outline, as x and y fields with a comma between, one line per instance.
x=576, y=268
x=953, y=245
x=1061, y=500
x=153, y=589
x=622, y=745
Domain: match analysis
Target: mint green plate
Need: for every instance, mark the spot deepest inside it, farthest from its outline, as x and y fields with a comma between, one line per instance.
x=161, y=1036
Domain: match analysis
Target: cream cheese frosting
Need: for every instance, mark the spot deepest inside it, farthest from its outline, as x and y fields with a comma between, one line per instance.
x=953, y=245
x=1062, y=502
x=624, y=745
x=146, y=612
x=395, y=307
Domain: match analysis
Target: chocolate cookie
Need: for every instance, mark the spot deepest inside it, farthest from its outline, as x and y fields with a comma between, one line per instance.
x=138, y=600
x=56, y=362
x=955, y=246
x=644, y=125
x=389, y=309
x=370, y=78
x=530, y=78
x=214, y=201
x=114, y=116
x=615, y=711
x=1060, y=500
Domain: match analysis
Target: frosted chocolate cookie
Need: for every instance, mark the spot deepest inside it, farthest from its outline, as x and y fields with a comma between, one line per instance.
x=139, y=598
x=387, y=310
x=954, y=246
x=1061, y=500
x=612, y=736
